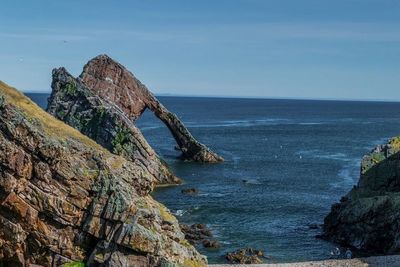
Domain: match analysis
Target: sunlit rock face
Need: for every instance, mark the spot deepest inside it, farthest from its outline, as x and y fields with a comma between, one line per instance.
x=114, y=83
x=72, y=102
x=368, y=217
x=64, y=198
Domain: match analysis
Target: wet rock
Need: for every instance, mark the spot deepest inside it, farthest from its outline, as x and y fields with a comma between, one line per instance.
x=245, y=256
x=211, y=244
x=190, y=191
x=199, y=234
x=64, y=198
x=367, y=218
x=114, y=83
x=313, y=226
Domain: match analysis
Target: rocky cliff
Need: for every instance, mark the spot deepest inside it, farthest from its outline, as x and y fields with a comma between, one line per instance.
x=114, y=83
x=368, y=217
x=72, y=102
x=64, y=198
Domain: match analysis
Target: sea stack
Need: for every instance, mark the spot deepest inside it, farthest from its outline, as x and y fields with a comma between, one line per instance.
x=114, y=83
x=65, y=199
x=72, y=102
x=368, y=217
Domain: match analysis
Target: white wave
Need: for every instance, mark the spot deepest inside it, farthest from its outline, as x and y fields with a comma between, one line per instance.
x=348, y=175
x=251, y=181
x=311, y=123
x=316, y=153
x=179, y=213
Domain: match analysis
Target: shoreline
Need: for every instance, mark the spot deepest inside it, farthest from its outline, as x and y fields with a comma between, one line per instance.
x=375, y=261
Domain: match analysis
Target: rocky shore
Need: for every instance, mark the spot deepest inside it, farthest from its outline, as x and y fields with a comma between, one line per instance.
x=66, y=199
x=367, y=218
x=75, y=183
x=382, y=261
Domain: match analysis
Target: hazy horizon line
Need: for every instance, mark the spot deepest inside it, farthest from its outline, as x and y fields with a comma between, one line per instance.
x=254, y=97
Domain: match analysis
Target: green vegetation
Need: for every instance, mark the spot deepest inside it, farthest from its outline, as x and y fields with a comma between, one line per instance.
x=94, y=125
x=70, y=89
x=74, y=264
x=395, y=143
x=377, y=157
x=51, y=126
x=120, y=141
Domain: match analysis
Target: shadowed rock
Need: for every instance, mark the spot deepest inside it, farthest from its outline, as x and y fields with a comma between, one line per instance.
x=113, y=82
x=199, y=233
x=72, y=102
x=64, y=198
x=368, y=217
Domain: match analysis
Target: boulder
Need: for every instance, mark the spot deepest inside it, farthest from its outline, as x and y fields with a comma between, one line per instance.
x=199, y=234
x=245, y=256
x=190, y=191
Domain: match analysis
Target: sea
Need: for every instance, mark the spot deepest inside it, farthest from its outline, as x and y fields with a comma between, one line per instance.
x=286, y=163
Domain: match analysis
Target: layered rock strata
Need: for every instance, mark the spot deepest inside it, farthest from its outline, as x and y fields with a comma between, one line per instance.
x=64, y=198
x=72, y=102
x=113, y=82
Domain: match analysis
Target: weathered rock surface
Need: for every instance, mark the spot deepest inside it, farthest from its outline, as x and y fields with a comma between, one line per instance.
x=72, y=102
x=368, y=217
x=65, y=198
x=113, y=82
x=245, y=256
x=199, y=233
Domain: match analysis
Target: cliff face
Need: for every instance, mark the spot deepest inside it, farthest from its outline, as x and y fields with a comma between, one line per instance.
x=113, y=82
x=368, y=217
x=72, y=102
x=64, y=198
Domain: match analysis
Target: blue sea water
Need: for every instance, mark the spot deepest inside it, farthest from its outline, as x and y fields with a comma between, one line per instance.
x=298, y=157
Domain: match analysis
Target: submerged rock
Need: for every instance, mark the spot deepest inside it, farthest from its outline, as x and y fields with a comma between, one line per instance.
x=245, y=256
x=114, y=83
x=368, y=217
x=190, y=191
x=64, y=198
x=72, y=102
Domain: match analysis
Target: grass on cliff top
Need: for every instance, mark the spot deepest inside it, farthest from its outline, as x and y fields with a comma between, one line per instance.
x=51, y=125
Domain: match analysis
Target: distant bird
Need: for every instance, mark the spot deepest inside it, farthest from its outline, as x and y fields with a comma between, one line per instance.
x=65, y=41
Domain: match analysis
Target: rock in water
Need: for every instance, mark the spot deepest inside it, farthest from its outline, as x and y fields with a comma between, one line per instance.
x=199, y=233
x=72, y=102
x=245, y=256
x=190, y=191
x=368, y=217
x=113, y=82
x=64, y=198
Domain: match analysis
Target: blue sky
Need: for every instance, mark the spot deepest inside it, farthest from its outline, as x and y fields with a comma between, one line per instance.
x=336, y=49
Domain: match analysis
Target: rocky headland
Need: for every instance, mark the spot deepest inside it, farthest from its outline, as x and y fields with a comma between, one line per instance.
x=114, y=83
x=66, y=199
x=368, y=217
x=75, y=104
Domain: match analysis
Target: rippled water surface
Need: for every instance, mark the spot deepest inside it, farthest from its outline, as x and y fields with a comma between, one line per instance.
x=296, y=157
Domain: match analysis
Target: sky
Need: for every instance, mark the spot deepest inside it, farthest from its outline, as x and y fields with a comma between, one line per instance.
x=312, y=49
